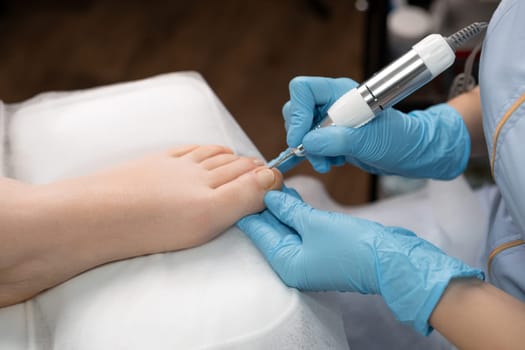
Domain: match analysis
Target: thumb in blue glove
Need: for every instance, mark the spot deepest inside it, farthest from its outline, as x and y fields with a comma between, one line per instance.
x=317, y=250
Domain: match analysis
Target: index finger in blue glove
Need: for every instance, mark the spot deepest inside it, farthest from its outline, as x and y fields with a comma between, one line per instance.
x=306, y=93
x=286, y=115
x=319, y=163
x=268, y=234
x=288, y=209
x=291, y=191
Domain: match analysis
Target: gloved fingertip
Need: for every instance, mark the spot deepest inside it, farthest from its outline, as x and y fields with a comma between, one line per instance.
x=322, y=168
x=292, y=140
x=241, y=222
x=287, y=209
x=313, y=143
x=272, y=196
x=286, y=115
x=319, y=163
x=299, y=82
x=244, y=222
x=286, y=109
x=291, y=191
x=276, y=200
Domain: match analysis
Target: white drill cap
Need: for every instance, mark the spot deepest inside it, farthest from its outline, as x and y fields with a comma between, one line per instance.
x=350, y=110
x=435, y=51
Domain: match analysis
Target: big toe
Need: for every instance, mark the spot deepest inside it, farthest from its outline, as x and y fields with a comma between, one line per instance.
x=244, y=195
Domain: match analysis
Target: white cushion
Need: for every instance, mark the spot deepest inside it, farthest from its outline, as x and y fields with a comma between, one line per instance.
x=220, y=295
x=60, y=135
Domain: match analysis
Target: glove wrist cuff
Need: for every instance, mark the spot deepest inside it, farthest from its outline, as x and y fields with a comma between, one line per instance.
x=422, y=316
x=425, y=271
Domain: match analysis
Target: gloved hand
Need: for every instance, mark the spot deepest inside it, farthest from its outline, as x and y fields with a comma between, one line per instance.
x=317, y=251
x=433, y=143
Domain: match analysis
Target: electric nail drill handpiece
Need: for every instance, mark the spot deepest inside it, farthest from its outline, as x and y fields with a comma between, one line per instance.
x=427, y=59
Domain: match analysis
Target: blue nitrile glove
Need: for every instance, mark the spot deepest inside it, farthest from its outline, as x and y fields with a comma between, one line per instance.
x=433, y=143
x=319, y=251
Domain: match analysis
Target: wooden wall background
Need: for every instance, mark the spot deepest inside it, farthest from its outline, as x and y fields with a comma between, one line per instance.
x=246, y=50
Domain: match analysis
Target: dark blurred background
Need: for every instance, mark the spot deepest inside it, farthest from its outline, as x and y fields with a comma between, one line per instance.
x=246, y=50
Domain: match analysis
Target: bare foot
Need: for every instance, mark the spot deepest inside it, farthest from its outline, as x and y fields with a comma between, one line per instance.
x=177, y=199
x=163, y=202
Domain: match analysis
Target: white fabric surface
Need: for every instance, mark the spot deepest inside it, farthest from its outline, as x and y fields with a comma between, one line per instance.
x=217, y=296
x=54, y=136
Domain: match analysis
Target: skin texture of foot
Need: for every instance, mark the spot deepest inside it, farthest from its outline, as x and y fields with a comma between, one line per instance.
x=163, y=202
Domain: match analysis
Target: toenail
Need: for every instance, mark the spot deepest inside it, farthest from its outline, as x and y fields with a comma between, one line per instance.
x=265, y=178
x=258, y=162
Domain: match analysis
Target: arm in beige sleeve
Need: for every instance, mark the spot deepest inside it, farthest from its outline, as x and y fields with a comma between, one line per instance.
x=473, y=314
x=476, y=315
x=468, y=105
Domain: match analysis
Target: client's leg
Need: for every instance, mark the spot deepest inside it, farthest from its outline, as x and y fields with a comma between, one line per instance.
x=164, y=202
